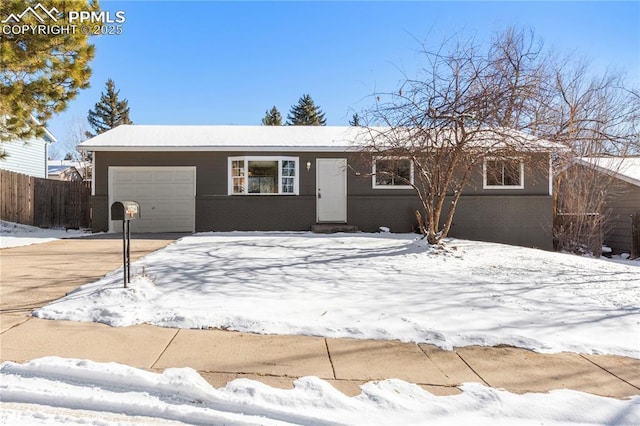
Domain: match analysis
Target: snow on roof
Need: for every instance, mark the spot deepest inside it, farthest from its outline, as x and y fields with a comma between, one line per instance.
x=69, y=163
x=626, y=169
x=270, y=138
x=222, y=138
x=57, y=169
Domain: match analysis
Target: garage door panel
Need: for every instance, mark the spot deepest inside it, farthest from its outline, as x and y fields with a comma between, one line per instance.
x=166, y=196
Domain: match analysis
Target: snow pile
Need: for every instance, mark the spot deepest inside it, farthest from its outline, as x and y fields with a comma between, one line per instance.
x=56, y=390
x=374, y=286
x=16, y=235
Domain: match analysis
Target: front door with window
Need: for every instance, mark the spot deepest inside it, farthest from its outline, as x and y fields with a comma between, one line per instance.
x=331, y=190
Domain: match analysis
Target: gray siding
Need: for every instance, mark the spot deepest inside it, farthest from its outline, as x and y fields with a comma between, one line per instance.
x=522, y=220
x=620, y=207
x=247, y=213
x=520, y=217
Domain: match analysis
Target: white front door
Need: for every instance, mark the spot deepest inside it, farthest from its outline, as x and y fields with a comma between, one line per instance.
x=331, y=190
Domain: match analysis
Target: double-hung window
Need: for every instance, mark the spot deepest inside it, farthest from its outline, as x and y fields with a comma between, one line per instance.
x=503, y=173
x=392, y=172
x=263, y=175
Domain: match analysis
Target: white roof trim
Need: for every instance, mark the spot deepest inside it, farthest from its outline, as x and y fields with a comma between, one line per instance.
x=228, y=148
x=48, y=135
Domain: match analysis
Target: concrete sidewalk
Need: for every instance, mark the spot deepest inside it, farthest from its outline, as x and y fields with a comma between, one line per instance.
x=31, y=276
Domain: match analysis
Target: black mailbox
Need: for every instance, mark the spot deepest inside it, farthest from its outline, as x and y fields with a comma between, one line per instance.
x=125, y=210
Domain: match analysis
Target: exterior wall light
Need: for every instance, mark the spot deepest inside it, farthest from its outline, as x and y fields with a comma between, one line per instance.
x=308, y=165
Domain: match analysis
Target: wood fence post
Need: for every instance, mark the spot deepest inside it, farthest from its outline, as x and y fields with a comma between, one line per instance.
x=635, y=234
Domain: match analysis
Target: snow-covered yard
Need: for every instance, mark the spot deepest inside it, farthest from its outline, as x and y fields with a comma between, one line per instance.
x=381, y=286
x=16, y=235
x=378, y=286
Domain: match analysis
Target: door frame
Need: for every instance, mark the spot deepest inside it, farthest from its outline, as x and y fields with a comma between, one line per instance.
x=318, y=196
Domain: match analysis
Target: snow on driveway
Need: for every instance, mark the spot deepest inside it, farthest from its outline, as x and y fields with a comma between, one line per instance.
x=374, y=286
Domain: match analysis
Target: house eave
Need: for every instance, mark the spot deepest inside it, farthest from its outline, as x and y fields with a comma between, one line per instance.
x=226, y=148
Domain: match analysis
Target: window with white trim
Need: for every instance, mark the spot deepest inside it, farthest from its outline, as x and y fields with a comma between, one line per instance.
x=263, y=175
x=503, y=173
x=392, y=172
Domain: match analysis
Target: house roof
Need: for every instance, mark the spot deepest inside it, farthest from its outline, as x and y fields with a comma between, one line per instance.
x=57, y=169
x=266, y=138
x=223, y=138
x=626, y=169
x=79, y=165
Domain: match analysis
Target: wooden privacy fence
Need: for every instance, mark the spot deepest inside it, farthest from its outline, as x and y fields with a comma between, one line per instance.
x=43, y=202
x=635, y=234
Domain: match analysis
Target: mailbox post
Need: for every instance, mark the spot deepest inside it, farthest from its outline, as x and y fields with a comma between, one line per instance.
x=126, y=211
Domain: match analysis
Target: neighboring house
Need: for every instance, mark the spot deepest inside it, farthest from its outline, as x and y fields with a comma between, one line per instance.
x=69, y=170
x=289, y=178
x=63, y=172
x=28, y=157
x=624, y=199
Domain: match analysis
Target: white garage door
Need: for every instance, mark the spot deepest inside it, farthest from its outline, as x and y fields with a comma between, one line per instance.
x=166, y=196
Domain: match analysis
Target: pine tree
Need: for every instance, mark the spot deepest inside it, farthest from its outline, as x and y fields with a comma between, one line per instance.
x=41, y=72
x=272, y=117
x=109, y=112
x=306, y=113
x=355, y=120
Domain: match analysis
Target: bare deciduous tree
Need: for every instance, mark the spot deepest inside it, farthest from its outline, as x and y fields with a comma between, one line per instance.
x=75, y=134
x=507, y=99
x=468, y=104
x=593, y=116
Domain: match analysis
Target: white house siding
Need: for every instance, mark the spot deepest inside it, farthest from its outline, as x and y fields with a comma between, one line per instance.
x=29, y=158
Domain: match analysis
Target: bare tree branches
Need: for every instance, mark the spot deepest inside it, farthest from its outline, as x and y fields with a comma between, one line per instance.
x=592, y=116
x=466, y=105
x=508, y=99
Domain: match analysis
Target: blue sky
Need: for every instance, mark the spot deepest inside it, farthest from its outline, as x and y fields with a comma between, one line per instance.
x=207, y=62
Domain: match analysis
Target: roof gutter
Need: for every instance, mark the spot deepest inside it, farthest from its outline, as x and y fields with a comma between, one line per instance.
x=234, y=148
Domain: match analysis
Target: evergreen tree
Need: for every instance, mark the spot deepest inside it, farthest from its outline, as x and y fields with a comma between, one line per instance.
x=306, y=113
x=355, y=120
x=272, y=117
x=41, y=71
x=109, y=112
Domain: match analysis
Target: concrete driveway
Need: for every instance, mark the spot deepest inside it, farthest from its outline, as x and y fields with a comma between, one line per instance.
x=33, y=276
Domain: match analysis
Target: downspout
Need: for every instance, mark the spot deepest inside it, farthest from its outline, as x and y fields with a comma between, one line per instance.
x=93, y=174
x=46, y=159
